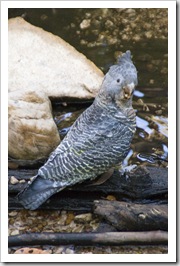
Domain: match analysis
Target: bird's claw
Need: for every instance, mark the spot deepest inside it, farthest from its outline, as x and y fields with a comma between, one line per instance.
x=127, y=169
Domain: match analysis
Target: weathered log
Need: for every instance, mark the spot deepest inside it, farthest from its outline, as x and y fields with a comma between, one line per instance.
x=88, y=239
x=133, y=217
x=74, y=202
x=140, y=185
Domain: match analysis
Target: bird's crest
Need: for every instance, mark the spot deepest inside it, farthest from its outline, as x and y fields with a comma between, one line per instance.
x=125, y=57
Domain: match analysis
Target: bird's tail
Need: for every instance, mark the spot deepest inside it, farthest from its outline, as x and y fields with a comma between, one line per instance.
x=37, y=193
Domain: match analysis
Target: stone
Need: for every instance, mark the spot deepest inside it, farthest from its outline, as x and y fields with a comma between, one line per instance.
x=15, y=232
x=69, y=251
x=22, y=181
x=83, y=218
x=13, y=213
x=58, y=250
x=41, y=67
x=85, y=24
x=13, y=180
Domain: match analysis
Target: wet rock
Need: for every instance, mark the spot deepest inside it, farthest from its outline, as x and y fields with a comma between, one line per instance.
x=42, y=66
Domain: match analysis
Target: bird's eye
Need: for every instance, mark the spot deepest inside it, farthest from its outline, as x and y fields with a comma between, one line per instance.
x=118, y=80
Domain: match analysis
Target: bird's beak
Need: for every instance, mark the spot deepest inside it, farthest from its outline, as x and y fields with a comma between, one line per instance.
x=128, y=90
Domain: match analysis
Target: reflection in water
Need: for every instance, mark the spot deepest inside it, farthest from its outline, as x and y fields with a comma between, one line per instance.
x=61, y=118
x=151, y=158
x=165, y=149
x=64, y=131
x=126, y=160
x=143, y=124
x=162, y=123
x=138, y=93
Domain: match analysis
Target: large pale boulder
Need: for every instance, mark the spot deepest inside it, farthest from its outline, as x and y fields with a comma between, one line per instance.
x=42, y=66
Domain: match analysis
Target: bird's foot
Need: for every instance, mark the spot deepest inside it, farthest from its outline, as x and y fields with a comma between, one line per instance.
x=127, y=169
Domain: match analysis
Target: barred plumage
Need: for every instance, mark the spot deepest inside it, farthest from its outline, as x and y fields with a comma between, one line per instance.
x=98, y=140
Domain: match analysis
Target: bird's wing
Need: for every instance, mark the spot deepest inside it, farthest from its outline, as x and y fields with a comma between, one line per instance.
x=88, y=150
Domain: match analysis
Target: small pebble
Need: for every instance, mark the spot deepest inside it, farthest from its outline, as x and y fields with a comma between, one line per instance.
x=13, y=213
x=70, y=218
x=15, y=232
x=48, y=251
x=109, y=23
x=83, y=218
x=58, y=250
x=85, y=24
x=140, y=101
x=110, y=197
x=136, y=38
x=148, y=34
x=86, y=252
x=142, y=216
x=158, y=112
x=124, y=37
x=151, y=81
x=22, y=181
x=13, y=180
x=69, y=251
x=145, y=108
x=88, y=15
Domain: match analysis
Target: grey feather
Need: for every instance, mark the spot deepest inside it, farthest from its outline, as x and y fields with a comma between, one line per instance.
x=98, y=140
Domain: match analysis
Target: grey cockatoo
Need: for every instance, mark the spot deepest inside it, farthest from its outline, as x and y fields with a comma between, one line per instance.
x=98, y=140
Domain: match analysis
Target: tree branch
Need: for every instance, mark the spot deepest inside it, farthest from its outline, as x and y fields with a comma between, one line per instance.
x=88, y=239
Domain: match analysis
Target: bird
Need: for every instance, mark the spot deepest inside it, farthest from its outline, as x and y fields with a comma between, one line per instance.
x=98, y=140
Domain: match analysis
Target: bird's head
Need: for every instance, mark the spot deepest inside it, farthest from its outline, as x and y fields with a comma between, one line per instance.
x=119, y=82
